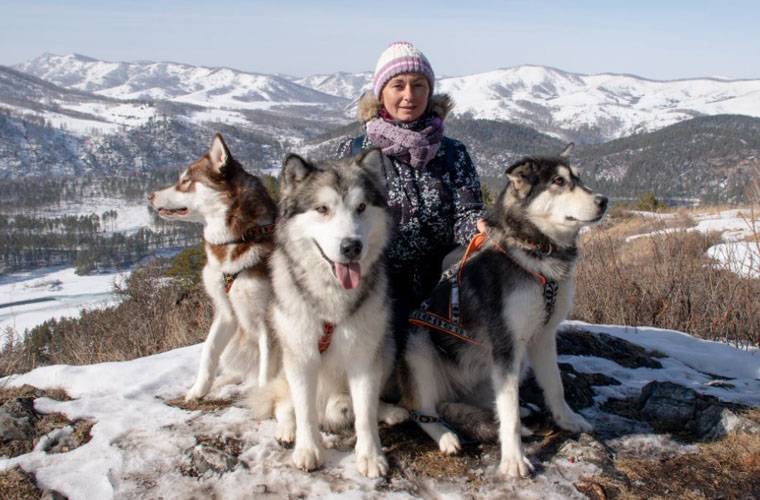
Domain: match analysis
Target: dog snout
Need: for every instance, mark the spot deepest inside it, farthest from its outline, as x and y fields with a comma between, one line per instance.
x=151, y=197
x=601, y=202
x=350, y=248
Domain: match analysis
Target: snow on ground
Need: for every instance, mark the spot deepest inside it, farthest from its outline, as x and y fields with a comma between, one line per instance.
x=738, y=256
x=140, y=443
x=690, y=361
x=131, y=215
x=52, y=293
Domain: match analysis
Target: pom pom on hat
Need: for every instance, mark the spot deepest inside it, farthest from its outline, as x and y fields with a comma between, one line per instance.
x=401, y=57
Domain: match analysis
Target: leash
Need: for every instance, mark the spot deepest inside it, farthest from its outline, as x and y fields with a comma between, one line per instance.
x=451, y=325
x=248, y=237
x=420, y=418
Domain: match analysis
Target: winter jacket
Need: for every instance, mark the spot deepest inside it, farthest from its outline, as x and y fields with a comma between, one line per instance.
x=435, y=208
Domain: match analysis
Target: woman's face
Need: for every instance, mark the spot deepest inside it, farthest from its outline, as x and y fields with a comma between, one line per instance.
x=405, y=96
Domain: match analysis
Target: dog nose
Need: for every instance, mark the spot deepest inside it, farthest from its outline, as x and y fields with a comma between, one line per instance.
x=151, y=196
x=350, y=248
x=601, y=201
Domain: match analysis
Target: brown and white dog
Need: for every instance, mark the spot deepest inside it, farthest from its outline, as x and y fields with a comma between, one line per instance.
x=238, y=218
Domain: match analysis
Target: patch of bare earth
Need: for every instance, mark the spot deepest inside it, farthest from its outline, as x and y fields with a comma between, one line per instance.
x=207, y=405
x=23, y=427
x=17, y=484
x=727, y=468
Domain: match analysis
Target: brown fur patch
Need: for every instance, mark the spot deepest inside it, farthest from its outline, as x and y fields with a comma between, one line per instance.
x=218, y=251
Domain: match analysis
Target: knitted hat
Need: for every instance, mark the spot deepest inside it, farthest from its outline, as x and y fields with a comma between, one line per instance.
x=400, y=57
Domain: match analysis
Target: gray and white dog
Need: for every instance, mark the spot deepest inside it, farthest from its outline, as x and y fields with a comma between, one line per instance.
x=331, y=309
x=511, y=295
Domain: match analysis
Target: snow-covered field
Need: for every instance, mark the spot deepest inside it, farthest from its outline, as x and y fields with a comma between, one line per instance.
x=28, y=299
x=140, y=443
x=735, y=226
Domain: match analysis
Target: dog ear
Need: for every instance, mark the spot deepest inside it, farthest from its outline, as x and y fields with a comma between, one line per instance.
x=294, y=170
x=219, y=153
x=522, y=177
x=373, y=161
x=567, y=151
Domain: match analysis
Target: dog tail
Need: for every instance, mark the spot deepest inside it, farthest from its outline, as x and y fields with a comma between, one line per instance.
x=264, y=400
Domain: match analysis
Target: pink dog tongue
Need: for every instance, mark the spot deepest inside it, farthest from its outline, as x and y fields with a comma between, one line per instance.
x=348, y=274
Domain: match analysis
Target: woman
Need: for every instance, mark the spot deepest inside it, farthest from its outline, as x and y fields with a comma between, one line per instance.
x=433, y=188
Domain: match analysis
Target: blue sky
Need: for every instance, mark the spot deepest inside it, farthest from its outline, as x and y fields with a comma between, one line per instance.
x=656, y=39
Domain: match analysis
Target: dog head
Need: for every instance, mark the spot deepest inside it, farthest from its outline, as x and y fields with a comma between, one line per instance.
x=548, y=193
x=336, y=212
x=211, y=188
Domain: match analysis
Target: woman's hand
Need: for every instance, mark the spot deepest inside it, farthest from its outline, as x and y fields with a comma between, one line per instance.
x=482, y=226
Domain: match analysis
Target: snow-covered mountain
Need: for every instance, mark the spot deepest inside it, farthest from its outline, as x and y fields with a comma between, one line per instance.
x=348, y=85
x=73, y=110
x=571, y=106
x=584, y=108
x=595, y=108
x=183, y=83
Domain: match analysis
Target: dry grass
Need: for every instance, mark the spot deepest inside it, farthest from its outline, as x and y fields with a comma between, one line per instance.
x=16, y=484
x=665, y=281
x=729, y=468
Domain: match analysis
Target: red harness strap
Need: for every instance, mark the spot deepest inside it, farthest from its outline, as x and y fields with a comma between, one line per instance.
x=451, y=325
x=326, y=338
x=476, y=243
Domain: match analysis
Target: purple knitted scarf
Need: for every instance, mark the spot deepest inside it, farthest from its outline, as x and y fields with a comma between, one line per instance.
x=415, y=143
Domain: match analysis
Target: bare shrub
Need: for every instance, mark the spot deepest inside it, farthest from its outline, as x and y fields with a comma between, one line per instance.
x=665, y=281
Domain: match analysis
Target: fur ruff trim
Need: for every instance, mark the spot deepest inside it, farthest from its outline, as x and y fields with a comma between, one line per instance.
x=369, y=106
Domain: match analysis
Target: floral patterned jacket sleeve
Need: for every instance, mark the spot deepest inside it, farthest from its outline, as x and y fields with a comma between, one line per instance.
x=468, y=199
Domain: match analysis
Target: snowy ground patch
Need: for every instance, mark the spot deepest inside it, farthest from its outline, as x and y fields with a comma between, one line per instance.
x=30, y=298
x=143, y=445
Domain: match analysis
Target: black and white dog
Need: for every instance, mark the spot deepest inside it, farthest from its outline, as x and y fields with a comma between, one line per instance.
x=507, y=300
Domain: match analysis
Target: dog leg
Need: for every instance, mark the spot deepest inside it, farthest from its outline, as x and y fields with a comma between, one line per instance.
x=222, y=329
x=302, y=372
x=364, y=385
x=426, y=389
x=263, y=355
x=542, y=353
x=506, y=382
x=284, y=415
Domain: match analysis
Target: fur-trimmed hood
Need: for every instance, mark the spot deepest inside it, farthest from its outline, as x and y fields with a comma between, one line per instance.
x=369, y=106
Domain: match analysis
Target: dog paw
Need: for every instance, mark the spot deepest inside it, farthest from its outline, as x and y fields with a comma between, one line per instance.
x=196, y=392
x=372, y=465
x=339, y=413
x=449, y=444
x=285, y=433
x=392, y=415
x=571, y=421
x=307, y=458
x=516, y=467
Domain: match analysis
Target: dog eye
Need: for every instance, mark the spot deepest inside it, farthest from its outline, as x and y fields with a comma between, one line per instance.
x=558, y=181
x=361, y=208
x=322, y=210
